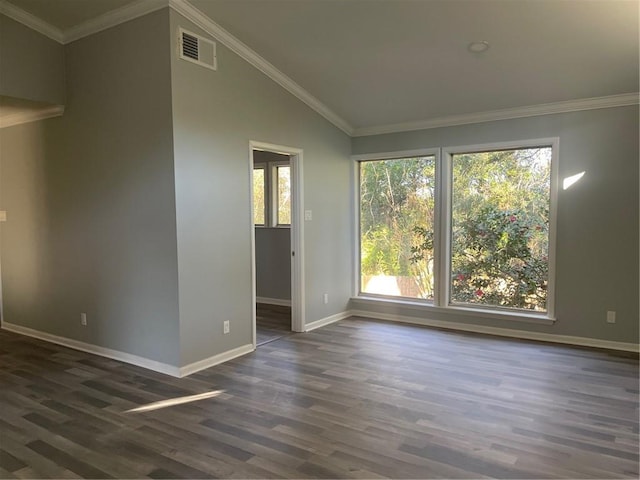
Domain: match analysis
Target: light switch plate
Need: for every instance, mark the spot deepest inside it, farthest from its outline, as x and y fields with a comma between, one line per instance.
x=3, y=216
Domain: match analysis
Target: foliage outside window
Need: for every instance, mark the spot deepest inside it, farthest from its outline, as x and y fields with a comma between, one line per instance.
x=284, y=194
x=497, y=205
x=397, y=201
x=500, y=228
x=258, y=196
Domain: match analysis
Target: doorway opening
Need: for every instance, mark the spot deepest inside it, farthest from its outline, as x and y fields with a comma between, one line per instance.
x=276, y=246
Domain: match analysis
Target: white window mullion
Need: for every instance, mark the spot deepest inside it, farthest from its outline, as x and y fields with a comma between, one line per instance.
x=273, y=195
x=553, y=212
x=357, y=247
x=267, y=196
x=438, y=258
x=444, y=233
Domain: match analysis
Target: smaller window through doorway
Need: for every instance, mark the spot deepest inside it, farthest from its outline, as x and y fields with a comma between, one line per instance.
x=272, y=197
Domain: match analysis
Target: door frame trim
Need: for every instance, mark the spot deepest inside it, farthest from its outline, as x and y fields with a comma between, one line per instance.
x=297, y=233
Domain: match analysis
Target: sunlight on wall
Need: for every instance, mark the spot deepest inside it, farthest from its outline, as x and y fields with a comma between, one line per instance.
x=568, y=181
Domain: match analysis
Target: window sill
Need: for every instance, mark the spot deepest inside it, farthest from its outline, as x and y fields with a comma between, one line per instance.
x=519, y=316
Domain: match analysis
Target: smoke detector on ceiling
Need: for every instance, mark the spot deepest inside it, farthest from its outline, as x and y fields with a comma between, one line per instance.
x=197, y=49
x=478, y=47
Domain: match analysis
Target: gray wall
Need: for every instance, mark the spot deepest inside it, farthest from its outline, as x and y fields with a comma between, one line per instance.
x=273, y=249
x=216, y=114
x=90, y=200
x=597, y=239
x=31, y=65
x=273, y=263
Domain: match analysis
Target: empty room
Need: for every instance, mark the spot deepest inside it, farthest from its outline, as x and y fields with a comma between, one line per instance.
x=319, y=238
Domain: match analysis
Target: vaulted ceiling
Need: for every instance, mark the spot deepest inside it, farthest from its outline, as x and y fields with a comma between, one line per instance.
x=391, y=62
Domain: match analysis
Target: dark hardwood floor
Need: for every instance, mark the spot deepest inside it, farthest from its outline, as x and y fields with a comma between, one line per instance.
x=356, y=399
x=272, y=322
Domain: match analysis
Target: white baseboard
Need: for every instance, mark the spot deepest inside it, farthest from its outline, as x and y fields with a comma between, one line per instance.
x=327, y=320
x=502, y=332
x=95, y=349
x=216, y=359
x=127, y=357
x=274, y=301
x=248, y=348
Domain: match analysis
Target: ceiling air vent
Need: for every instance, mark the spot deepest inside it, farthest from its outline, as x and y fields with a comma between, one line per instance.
x=197, y=49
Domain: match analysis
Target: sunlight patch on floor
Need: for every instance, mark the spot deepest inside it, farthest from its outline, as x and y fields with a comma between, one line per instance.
x=174, y=401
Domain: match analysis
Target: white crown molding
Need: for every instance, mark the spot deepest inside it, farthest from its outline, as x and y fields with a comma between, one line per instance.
x=194, y=15
x=610, y=101
x=113, y=18
x=31, y=116
x=31, y=21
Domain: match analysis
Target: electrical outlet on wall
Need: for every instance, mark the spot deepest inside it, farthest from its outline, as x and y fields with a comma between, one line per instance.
x=325, y=298
x=83, y=319
x=225, y=327
x=611, y=316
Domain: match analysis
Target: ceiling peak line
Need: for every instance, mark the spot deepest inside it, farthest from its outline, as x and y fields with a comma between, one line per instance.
x=610, y=101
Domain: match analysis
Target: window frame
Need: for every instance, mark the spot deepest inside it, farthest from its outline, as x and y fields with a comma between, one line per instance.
x=271, y=192
x=404, y=154
x=443, y=236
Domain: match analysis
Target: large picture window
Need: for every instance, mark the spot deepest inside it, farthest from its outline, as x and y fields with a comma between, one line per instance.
x=472, y=230
x=397, y=201
x=500, y=228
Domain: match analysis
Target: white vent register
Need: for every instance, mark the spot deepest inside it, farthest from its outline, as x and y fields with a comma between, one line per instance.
x=197, y=49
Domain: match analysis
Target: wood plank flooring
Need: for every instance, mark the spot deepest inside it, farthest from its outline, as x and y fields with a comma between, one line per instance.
x=356, y=399
x=272, y=322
